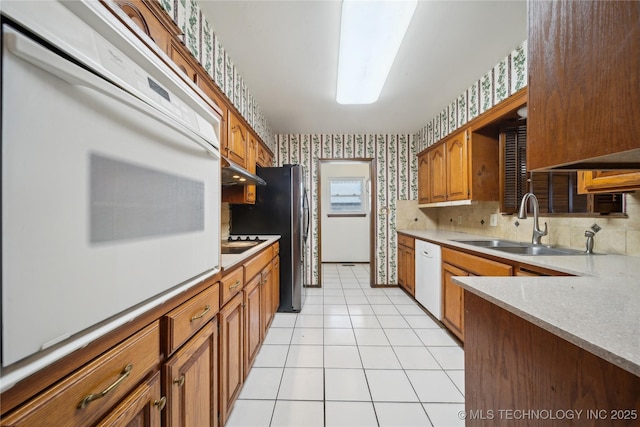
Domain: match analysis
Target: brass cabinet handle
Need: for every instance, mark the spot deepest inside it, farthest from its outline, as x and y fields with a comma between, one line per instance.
x=179, y=381
x=91, y=397
x=201, y=315
x=235, y=285
x=160, y=403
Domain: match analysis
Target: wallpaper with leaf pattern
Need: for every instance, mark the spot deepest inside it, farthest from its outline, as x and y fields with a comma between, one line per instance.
x=396, y=178
x=395, y=155
x=199, y=37
x=506, y=78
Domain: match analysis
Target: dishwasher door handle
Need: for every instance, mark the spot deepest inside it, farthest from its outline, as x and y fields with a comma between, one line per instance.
x=426, y=254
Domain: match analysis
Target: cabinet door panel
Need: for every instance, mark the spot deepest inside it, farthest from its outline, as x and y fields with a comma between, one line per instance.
x=453, y=300
x=184, y=61
x=457, y=167
x=252, y=321
x=275, y=288
x=266, y=312
x=593, y=182
x=141, y=408
x=237, y=140
x=410, y=271
x=231, y=355
x=438, y=174
x=190, y=381
x=423, y=178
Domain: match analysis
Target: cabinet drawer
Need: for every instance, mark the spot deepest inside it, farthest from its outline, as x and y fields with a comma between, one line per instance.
x=88, y=394
x=230, y=285
x=257, y=263
x=184, y=321
x=475, y=264
x=406, y=241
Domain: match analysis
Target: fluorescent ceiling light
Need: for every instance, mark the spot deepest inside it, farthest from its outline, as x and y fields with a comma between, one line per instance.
x=370, y=35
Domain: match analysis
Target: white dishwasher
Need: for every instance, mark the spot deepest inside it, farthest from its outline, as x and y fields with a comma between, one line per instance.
x=429, y=277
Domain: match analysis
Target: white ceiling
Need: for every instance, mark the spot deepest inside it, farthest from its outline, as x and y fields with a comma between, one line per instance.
x=287, y=53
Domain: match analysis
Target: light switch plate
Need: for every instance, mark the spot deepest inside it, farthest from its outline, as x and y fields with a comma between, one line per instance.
x=493, y=221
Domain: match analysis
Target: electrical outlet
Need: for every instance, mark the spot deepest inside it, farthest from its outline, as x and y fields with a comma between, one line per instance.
x=459, y=219
x=493, y=221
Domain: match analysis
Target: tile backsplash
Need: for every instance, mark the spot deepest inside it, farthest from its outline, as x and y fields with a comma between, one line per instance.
x=618, y=235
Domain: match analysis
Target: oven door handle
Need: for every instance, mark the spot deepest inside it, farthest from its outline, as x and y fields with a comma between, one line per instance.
x=50, y=62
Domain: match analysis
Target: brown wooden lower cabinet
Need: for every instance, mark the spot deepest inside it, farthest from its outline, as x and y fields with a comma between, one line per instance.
x=185, y=368
x=266, y=296
x=452, y=300
x=89, y=395
x=458, y=263
x=275, y=288
x=513, y=365
x=231, y=355
x=252, y=312
x=142, y=407
x=407, y=263
x=191, y=381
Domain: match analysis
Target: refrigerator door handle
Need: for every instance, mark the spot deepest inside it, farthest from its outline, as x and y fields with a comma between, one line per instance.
x=306, y=218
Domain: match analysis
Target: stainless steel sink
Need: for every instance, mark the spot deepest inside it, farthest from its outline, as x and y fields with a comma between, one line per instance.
x=520, y=248
x=493, y=243
x=538, y=250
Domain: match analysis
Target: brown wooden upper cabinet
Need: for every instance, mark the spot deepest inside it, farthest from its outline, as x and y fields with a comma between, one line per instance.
x=237, y=139
x=457, y=167
x=461, y=168
x=244, y=194
x=152, y=20
x=593, y=182
x=584, y=67
x=423, y=178
x=264, y=158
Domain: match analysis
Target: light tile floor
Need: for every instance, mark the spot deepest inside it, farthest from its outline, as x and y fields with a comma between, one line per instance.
x=354, y=356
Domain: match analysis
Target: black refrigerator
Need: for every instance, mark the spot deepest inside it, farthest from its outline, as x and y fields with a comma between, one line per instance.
x=281, y=208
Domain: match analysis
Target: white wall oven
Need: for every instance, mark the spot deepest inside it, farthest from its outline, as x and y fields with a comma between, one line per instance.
x=110, y=182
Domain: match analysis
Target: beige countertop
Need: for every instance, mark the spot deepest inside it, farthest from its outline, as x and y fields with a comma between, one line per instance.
x=231, y=260
x=599, y=310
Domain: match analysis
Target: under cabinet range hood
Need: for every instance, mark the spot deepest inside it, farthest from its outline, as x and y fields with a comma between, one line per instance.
x=233, y=174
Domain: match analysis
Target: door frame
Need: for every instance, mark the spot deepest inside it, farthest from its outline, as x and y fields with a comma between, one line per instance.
x=372, y=218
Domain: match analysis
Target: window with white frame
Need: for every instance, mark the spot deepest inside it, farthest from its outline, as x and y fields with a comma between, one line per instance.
x=347, y=195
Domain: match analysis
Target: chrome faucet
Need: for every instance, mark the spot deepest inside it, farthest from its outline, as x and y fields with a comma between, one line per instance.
x=522, y=214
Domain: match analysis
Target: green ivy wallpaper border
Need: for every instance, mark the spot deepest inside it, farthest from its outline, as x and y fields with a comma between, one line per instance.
x=507, y=77
x=206, y=47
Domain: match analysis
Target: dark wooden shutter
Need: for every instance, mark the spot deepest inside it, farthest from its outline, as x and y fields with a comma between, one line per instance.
x=513, y=142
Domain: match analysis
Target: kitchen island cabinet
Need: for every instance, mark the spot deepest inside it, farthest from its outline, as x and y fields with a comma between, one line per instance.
x=515, y=360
